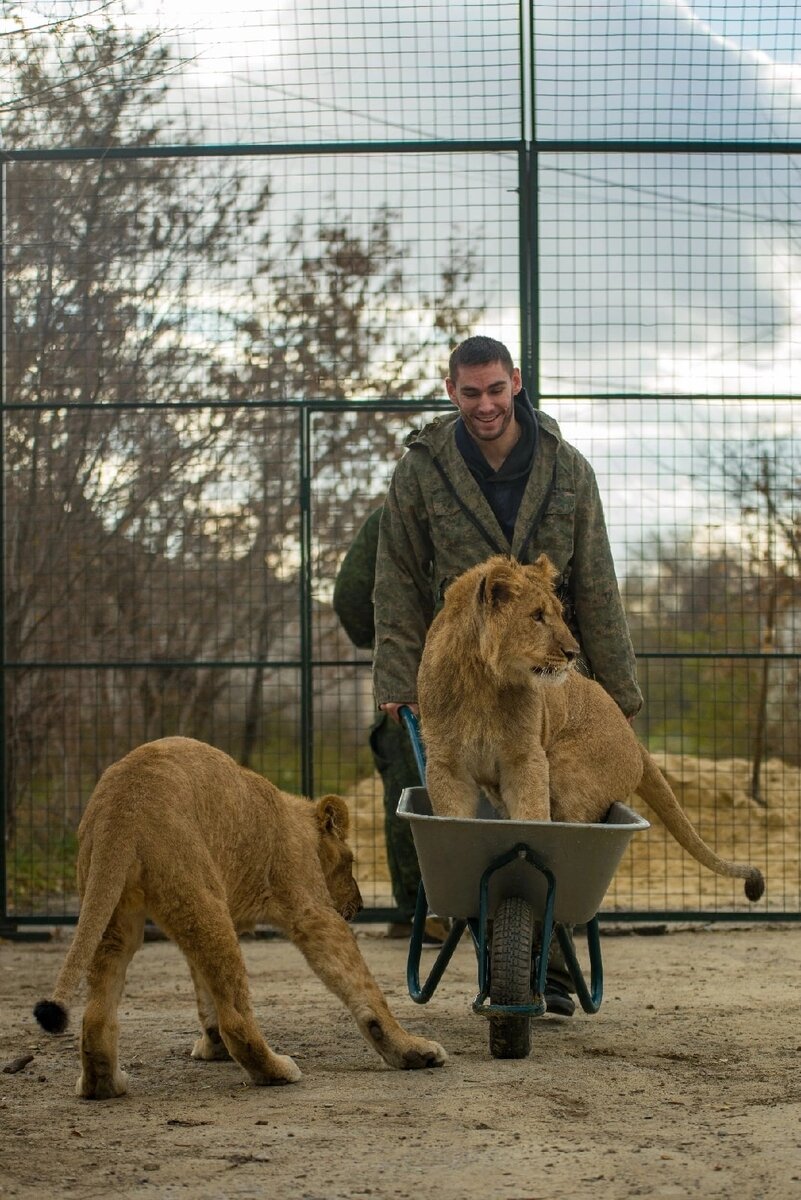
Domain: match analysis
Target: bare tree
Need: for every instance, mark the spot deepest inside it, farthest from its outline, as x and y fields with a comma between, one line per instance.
x=151, y=499
x=764, y=480
x=693, y=594
x=99, y=298
x=335, y=317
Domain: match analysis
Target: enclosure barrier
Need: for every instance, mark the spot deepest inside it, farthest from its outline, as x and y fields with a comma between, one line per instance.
x=227, y=291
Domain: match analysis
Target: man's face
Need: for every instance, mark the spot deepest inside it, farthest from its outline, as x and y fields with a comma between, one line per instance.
x=485, y=398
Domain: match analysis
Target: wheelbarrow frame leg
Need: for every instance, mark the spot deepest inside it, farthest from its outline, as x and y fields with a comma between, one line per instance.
x=589, y=998
x=421, y=995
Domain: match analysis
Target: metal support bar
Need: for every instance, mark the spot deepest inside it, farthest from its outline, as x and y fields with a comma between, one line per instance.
x=412, y=726
x=421, y=995
x=305, y=598
x=489, y=146
x=5, y=798
x=590, y=998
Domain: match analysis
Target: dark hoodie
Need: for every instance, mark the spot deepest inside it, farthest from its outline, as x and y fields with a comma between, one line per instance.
x=503, y=489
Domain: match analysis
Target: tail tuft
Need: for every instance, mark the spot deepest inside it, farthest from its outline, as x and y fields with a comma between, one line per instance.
x=754, y=885
x=52, y=1016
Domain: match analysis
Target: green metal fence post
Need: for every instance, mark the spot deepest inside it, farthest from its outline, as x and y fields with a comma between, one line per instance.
x=528, y=215
x=306, y=671
x=4, y=800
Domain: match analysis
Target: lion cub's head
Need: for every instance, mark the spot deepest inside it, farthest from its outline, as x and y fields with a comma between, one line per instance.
x=518, y=628
x=336, y=856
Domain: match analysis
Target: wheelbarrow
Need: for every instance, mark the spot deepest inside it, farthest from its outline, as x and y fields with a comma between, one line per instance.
x=499, y=879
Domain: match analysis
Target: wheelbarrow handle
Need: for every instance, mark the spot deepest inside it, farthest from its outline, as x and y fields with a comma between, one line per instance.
x=412, y=726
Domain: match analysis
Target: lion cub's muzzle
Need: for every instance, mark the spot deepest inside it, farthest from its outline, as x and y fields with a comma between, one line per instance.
x=557, y=668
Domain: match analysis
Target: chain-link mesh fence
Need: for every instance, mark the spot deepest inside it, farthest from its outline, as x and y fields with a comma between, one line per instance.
x=238, y=246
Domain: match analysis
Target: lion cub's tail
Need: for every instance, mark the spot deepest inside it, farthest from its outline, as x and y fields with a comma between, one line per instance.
x=104, y=885
x=655, y=790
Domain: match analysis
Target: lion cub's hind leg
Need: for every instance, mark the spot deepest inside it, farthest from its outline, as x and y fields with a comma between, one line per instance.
x=201, y=926
x=209, y=1046
x=101, y=1077
x=589, y=777
x=582, y=791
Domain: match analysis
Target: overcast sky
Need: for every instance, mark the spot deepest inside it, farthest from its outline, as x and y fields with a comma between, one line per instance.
x=658, y=273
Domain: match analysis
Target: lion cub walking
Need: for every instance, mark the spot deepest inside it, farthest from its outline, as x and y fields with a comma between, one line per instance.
x=503, y=709
x=178, y=831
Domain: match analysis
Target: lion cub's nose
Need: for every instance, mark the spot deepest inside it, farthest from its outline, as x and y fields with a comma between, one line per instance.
x=570, y=654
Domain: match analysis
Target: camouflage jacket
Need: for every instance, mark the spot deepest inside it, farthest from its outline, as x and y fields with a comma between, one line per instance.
x=436, y=524
x=353, y=587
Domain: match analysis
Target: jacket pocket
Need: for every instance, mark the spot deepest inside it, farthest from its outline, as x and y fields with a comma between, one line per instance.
x=562, y=504
x=555, y=534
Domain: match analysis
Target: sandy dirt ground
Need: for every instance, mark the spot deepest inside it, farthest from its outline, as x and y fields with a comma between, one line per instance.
x=686, y=1083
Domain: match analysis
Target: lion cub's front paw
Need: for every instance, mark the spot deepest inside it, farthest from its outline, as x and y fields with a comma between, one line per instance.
x=422, y=1053
x=103, y=1088
x=210, y=1050
x=401, y=1049
x=290, y=1072
x=283, y=1069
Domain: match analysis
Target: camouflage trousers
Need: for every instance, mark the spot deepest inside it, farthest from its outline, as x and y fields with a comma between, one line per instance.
x=395, y=762
x=557, y=967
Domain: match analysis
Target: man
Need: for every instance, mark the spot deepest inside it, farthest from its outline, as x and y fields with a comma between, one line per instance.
x=389, y=742
x=392, y=750
x=494, y=478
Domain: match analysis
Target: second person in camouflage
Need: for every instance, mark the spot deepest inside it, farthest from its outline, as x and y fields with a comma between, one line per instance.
x=389, y=742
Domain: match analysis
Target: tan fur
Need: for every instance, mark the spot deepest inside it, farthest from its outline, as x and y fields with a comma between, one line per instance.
x=178, y=831
x=503, y=710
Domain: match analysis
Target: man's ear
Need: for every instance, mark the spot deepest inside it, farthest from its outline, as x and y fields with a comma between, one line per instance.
x=450, y=388
x=333, y=816
x=517, y=381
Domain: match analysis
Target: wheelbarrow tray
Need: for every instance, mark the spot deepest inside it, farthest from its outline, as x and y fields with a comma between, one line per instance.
x=454, y=853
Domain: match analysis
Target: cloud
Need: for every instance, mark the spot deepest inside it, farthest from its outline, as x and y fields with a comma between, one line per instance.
x=655, y=271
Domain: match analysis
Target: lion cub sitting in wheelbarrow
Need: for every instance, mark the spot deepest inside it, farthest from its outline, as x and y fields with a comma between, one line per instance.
x=177, y=830
x=503, y=708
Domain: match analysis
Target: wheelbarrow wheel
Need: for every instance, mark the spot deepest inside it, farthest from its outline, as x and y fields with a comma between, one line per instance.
x=510, y=977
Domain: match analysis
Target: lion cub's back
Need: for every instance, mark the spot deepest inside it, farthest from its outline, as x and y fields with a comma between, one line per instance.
x=172, y=779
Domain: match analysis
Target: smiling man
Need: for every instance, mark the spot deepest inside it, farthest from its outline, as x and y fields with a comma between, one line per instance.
x=495, y=478
x=484, y=395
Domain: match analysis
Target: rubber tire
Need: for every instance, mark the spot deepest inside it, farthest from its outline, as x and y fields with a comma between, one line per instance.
x=510, y=977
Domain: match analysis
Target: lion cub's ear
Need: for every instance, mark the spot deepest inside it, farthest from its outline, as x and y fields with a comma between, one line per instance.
x=545, y=569
x=333, y=816
x=499, y=584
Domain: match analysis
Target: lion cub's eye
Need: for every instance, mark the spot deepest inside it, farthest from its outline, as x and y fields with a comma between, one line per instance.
x=537, y=615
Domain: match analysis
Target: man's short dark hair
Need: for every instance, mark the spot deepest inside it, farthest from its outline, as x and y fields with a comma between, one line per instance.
x=478, y=351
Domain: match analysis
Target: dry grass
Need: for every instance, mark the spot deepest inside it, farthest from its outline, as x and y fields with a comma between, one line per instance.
x=655, y=872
